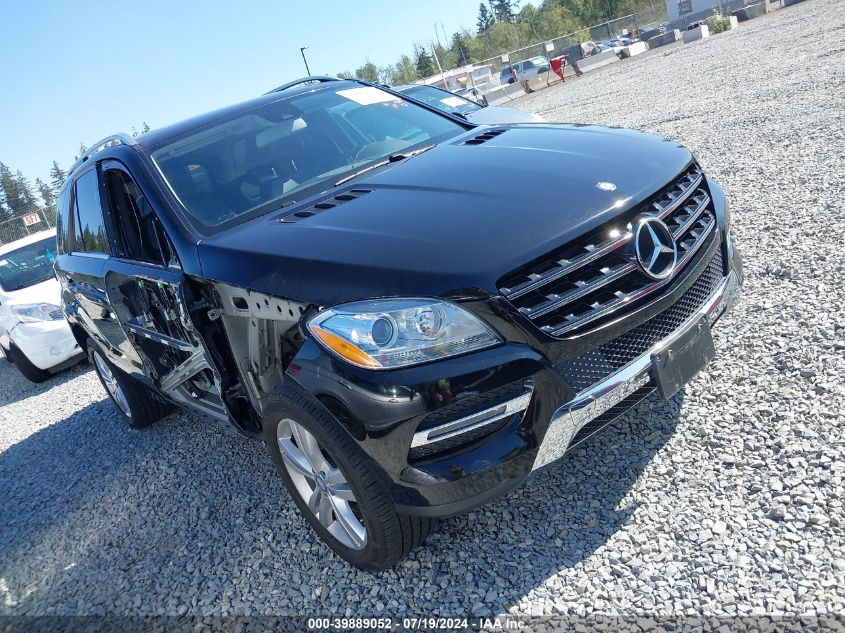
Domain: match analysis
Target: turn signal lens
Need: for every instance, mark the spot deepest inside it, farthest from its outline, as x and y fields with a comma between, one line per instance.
x=344, y=349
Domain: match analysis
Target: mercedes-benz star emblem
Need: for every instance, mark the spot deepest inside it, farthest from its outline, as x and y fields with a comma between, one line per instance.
x=656, y=250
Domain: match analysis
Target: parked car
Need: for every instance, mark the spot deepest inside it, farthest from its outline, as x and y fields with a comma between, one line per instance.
x=367, y=284
x=646, y=33
x=33, y=332
x=475, y=112
x=523, y=70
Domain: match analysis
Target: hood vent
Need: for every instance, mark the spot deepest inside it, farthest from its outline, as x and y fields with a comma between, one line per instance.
x=323, y=205
x=486, y=136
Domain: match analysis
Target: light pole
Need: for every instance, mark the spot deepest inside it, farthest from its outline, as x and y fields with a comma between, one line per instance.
x=302, y=50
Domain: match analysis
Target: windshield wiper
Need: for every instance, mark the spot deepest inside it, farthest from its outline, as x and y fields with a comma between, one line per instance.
x=393, y=158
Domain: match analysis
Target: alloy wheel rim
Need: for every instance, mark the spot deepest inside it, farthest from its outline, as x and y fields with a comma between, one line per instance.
x=110, y=382
x=321, y=484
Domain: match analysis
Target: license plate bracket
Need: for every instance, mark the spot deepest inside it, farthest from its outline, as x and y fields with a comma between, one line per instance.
x=682, y=358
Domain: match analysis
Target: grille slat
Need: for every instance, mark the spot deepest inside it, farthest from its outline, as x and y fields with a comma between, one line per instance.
x=592, y=278
x=582, y=289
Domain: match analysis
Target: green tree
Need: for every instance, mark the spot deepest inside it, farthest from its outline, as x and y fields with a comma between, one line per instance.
x=485, y=18
x=504, y=10
x=81, y=151
x=57, y=178
x=16, y=200
x=345, y=74
x=404, y=71
x=46, y=193
x=27, y=195
x=423, y=62
x=368, y=72
x=459, y=50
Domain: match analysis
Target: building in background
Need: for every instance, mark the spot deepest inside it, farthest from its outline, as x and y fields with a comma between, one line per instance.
x=682, y=12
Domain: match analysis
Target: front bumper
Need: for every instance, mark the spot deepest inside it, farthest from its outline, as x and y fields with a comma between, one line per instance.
x=590, y=404
x=524, y=412
x=48, y=345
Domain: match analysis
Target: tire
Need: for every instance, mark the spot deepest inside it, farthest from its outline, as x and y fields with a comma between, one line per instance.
x=387, y=535
x=29, y=371
x=137, y=404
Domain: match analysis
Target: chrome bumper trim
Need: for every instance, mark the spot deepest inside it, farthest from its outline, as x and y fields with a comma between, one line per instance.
x=591, y=403
x=472, y=422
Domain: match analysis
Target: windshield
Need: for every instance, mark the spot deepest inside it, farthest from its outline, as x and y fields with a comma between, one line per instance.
x=441, y=99
x=28, y=265
x=258, y=160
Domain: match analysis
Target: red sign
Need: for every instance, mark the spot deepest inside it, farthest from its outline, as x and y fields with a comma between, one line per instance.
x=31, y=218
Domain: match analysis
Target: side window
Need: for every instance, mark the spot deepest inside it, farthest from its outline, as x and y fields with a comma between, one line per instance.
x=90, y=234
x=63, y=223
x=138, y=234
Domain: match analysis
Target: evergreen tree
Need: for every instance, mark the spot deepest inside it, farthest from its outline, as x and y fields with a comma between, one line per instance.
x=57, y=178
x=27, y=196
x=459, y=48
x=485, y=18
x=424, y=63
x=11, y=191
x=82, y=150
x=504, y=10
x=46, y=193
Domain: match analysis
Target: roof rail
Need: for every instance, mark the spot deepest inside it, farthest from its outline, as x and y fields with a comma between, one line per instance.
x=114, y=139
x=317, y=79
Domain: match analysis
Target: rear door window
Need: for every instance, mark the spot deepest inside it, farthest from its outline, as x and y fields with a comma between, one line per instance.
x=90, y=234
x=63, y=222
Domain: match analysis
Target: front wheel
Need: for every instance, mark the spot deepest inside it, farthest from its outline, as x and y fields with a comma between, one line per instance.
x=137, y=404
x=332, y=483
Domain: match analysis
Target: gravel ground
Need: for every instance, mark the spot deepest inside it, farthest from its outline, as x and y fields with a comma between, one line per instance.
x=726, y=500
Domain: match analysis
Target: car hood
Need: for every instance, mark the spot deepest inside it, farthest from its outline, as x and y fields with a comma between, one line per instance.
x=450, y=221
x=47, y=291
x=497, y=115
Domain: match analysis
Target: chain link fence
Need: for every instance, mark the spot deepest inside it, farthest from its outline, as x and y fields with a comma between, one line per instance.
x=612, y=29
x=19, y=226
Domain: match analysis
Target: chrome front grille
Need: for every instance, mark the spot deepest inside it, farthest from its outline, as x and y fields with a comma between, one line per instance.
x=600, y=362
x=596, y=277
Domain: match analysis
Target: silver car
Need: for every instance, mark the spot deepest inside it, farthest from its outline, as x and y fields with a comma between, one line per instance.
x=455, y=104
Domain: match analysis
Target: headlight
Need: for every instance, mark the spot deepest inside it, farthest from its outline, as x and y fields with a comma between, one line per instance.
x=388, y=333
x=34, y=312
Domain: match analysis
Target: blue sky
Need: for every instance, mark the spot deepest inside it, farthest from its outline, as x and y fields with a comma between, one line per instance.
x=77, y=71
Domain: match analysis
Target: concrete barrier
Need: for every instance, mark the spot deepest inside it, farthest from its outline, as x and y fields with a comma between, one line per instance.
x=596, y=61
x=698, y=33
x=503, y=94
x=662, y=40
x=751, y=11
x=637, y=48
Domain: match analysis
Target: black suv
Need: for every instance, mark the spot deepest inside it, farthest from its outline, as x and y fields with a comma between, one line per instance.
x=413, y=313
